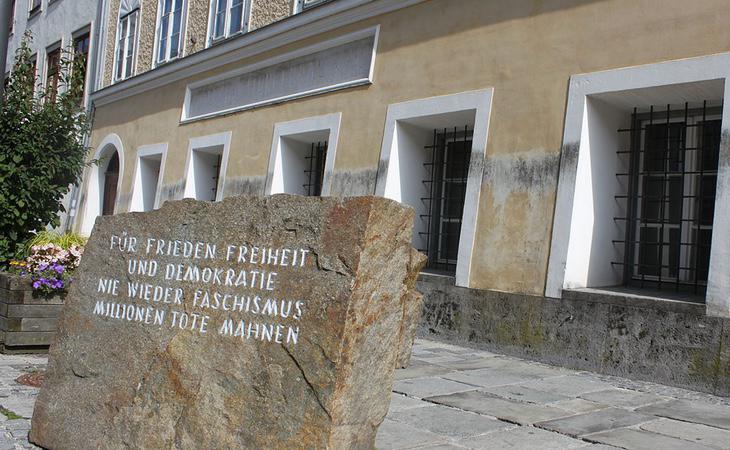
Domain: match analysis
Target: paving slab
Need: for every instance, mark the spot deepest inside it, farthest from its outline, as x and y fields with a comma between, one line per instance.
x=692, y=411
x=643, y=440
x=488, y=377
x=430, y=386
x=449, y=422
x=400, y=402
x=466, y=363
x=524, y=438
x=524, y=394
x=442, y=447
x=578, y=405
x=693, y=432
x=488, y=404
x=594, y=422
x=419, y=369
x=395, y=436
x=623, y=398
x=570, y=385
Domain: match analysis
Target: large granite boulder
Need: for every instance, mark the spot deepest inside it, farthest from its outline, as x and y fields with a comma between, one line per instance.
x=270, y=323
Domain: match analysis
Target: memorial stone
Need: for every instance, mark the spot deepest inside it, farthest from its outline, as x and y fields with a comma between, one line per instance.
x=271, y=322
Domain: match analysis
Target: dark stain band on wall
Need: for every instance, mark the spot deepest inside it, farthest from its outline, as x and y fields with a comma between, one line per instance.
x=618, y=336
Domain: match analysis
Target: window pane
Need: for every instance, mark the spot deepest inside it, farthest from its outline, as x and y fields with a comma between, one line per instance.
x=457, y=159
x=120, y=47
x=220, y=19
x=649, y=245
x=449, y=240
x=236, y=17
x=709, y=144
x=651, y=199
x=708, y=187
x=162, y=47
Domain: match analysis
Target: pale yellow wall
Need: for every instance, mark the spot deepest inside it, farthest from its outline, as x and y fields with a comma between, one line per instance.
x=526, y=50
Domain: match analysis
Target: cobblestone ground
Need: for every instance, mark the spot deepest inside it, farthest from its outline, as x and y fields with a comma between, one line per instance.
x=455, y=398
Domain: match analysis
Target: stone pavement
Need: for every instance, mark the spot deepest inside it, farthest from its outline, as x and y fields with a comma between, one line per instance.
x=455, y=398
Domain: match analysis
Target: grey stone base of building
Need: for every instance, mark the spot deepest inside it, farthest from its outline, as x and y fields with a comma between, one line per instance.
x=615, y=333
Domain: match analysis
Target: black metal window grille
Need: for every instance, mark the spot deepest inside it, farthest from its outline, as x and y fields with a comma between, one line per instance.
x=447, y=168
x=670, y=199
x=315, y=169
x=217, y=170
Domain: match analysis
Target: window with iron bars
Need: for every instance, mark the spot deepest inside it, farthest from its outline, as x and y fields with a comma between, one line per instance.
x=315, y=169
x=447, y=167
x=670, y=203
x=216, y=177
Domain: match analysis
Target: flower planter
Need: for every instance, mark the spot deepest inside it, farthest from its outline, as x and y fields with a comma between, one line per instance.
x=28, y=320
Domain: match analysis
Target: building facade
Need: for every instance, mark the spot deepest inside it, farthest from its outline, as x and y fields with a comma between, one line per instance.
x=55, y=27
x=567, y=160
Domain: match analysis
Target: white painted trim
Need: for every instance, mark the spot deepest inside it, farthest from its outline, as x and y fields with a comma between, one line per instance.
x=183, y=35
x=210, y=140
x=226, y=35
x=92, y=207
x=481, y=103
x=329, y=123
x=292, y=29
x=143, y=151
x=318, y=47
x=690, y=70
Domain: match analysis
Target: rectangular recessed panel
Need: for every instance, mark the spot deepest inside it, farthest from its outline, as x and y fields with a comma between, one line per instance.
x=326, y=69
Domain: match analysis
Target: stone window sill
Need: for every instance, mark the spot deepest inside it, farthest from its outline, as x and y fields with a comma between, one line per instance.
x=639, y=298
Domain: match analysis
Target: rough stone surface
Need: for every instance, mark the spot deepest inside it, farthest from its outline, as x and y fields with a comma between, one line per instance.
x=423, y=432
x=116, y=383
x=609, y=333
x=265, y=12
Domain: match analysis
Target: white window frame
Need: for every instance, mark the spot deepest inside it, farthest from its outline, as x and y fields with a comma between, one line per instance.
x=480, y=103
x=211, y=140
x=300, y=5
x=182, y=38
x=127, y=41
x=144, y=151
x=246, y=19
x=573, y=225
x=329, y=123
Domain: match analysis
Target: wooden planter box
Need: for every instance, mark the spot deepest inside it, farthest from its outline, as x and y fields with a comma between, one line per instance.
x=28, y=321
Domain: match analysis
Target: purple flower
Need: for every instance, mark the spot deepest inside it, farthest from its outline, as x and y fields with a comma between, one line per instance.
x=58, y=268
x=36, y=284
x=42, y=266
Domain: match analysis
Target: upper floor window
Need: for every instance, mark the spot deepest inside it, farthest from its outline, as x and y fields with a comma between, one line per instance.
x=303, y=5
x=228, y=18
x=126, y=44
x=12, y=17
x=81, y=50
x=170, y=30
x=53, y=72
x=34, y=7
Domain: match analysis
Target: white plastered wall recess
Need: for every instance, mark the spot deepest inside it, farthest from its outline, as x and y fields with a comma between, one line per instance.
x=95, y=180
x=291, y=144
x=409, y=127
x=148, y=173
x=599, y=104
x=200, y=165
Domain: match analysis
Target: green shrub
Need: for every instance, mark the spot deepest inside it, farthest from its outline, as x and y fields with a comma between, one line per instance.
x=42, y=149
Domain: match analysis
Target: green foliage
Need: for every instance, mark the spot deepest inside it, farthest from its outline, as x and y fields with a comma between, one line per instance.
x=42, y=149
x=65, y=240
